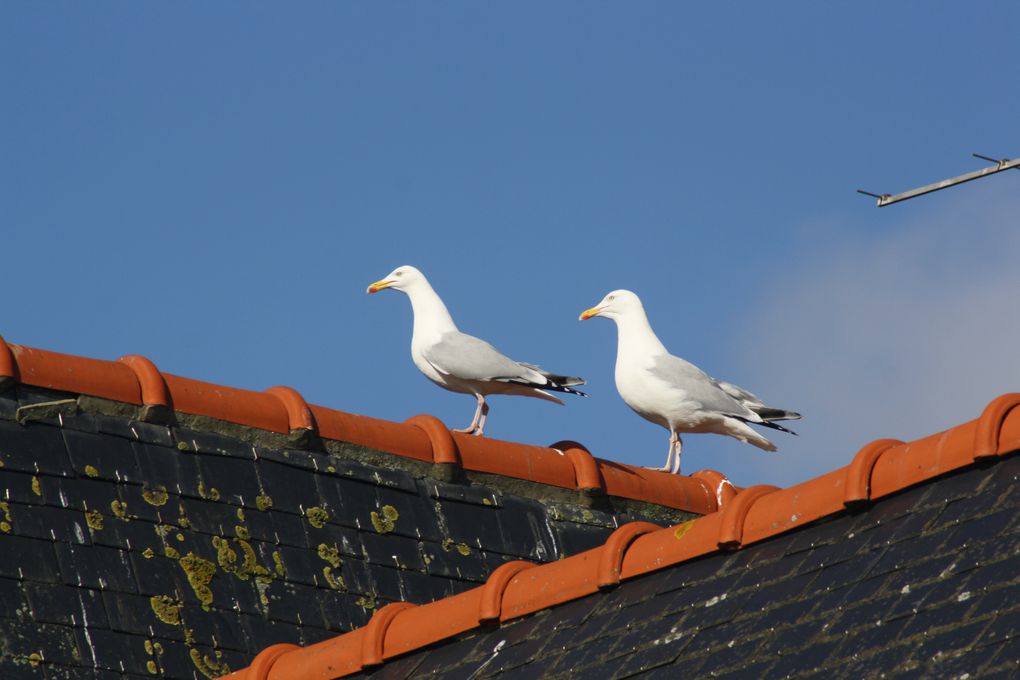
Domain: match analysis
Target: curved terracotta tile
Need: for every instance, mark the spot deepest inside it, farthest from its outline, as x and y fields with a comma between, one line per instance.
x=733, y=515
x=375, y=632
x=150, y=381
x=255, y=409
x=613, y=550
x=444, y=448
x=719, y=484
x=263, y=662
x=491, y=604
x=534, y=463
x=552, y=583
x=586, y=469
x=923, y=459
x=672, y=545
x=794, y=507
x=299, y=416
x=857, y=489
x=986, y=437
x=662, y=488
x=333, y=658
x=383, y=435
x=8, y=367
x=433, y=622
x=53, y=370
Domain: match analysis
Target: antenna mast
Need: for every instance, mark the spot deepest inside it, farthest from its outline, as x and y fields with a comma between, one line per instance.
x=1000, y=165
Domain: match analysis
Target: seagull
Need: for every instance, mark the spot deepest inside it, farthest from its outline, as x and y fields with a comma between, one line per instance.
x=675, y=393
x=463, y=363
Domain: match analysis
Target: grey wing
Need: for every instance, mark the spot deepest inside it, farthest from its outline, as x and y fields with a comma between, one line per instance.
x=740, y=394
x=470, y=358
x=699, y=386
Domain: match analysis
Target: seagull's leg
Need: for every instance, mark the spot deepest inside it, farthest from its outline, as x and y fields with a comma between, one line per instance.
x=669, y=455
x=473, y=427
x=481, y=422
x=676, y=461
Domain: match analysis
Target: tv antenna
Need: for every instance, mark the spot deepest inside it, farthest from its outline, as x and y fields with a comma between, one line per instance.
x=1000, y=165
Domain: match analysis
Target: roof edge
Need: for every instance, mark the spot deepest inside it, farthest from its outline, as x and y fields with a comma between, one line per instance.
x=757, y=513
x=136, y=380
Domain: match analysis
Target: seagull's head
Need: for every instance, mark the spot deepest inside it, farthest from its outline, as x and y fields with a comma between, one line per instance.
x=614, y=305
x=400, y=278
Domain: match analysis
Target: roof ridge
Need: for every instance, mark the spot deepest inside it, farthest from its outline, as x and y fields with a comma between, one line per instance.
x=136, y=380
x=757, y=513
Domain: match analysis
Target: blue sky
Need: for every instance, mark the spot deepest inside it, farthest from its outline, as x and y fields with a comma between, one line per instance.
x=213, y=185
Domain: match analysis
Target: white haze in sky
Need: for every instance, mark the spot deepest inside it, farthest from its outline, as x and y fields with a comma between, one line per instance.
x=895, y=327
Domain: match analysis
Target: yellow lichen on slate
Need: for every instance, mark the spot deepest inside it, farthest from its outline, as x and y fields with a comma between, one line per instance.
x=182, y=518
x=330, y=554
x=209, y=667
x=464, y=549
x=148, y=553
x=242, y=532
x=36, y=486
x=335, y=582
x=486, y=501
x=262, y=584
x=5, y=524
x=227, y=558
x=119, y=510
x=166, y=609
x=281, y=570
x=366, y=601
x=150, y=666
x=263, y=502
x=385, y=520
x=240, y=514
x=171, y=552
x=212, y=493
x=199, y=572
x=156, y=496
x=682, y=529
x=183, y=446
x=91, y=471
x=34, y=659
x=94, y=520
x=317, y=516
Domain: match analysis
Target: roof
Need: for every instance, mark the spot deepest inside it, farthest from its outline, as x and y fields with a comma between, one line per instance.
x=923, y=583
x=136, y=380
x=138, y=540
x=833, y=519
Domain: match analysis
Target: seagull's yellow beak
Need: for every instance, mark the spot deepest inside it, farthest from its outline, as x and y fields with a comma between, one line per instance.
x=589, y=313
x=379, y=285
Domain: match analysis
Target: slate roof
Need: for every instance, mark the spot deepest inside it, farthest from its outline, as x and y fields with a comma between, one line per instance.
x=140, y=540
x=924, y=583
x=904, y=561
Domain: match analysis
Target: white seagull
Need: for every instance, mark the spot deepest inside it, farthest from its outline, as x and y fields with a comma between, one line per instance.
x=675, y=393
x=463, y=363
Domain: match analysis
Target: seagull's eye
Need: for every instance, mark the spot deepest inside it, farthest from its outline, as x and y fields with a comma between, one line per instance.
x=398, y=273
x=611, y=298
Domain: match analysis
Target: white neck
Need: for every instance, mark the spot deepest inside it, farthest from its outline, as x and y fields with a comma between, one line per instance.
x=431, y=318
x=635, y=336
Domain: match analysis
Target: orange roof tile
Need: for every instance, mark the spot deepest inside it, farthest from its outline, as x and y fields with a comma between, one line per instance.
x=136, y=380
x=755, y=514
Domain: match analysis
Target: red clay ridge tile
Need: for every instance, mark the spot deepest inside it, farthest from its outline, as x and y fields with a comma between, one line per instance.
x=755, y=514
x=136, y=380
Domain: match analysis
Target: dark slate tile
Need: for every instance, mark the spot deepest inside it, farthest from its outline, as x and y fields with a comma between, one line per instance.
x=294, y=603
x=480, y=527
x=8, y=404
x=400, y=513
x=454, y=560
x=134, y=614
x=290, y=529
x=29, y=559
x=573, y=538
x=135, y=430
x=300, y=565
x=928, y=619
x=386, y=583
x=33, y=448
x=48, y=523
x=65, y=605
x=370, y=474
x=392, y=550
x=524, y=530
x=102, y=456
x=421, y=588
x=723, y=658
x=171, y=468
x=1001, y=627
x=291, y=489
x=209, y=517
x=95, y=566
x=19, y=487
x=211, y=443
x=351, y=501
x=262, y=632
x=59, y=643
x=234, y=480
x=474, y=494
